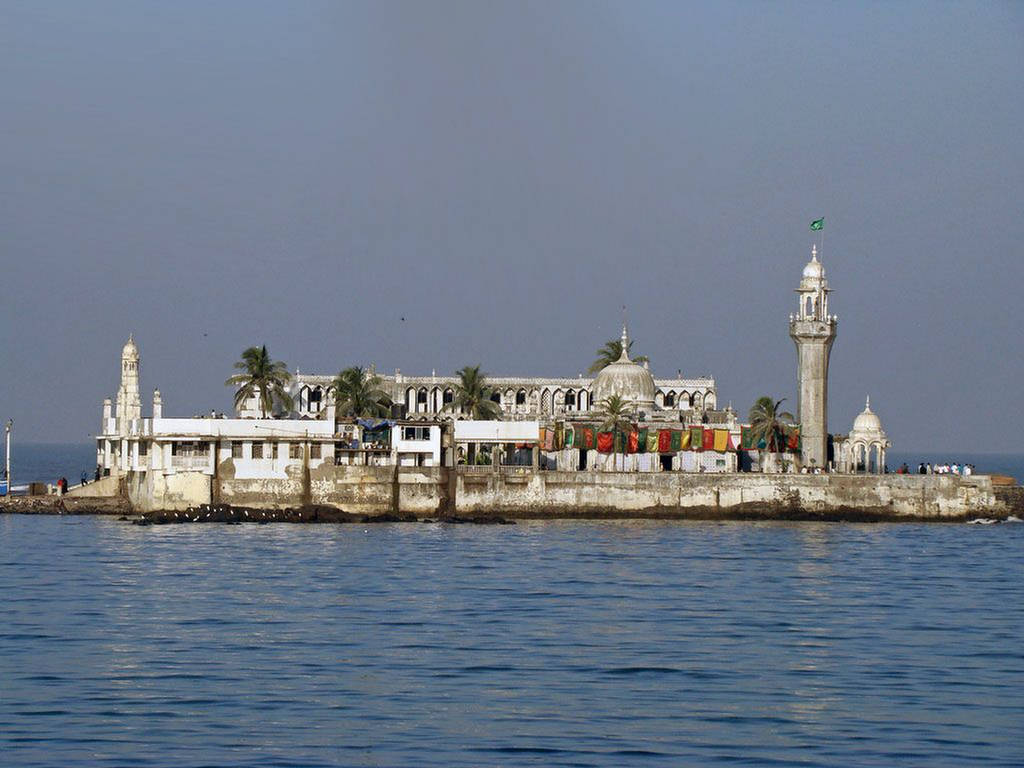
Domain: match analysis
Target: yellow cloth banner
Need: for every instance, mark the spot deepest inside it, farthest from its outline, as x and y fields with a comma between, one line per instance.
x=721, y=439
x=685, y=440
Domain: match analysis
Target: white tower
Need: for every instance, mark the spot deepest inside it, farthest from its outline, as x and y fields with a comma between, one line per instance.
x=813, y=330
x=129, y=403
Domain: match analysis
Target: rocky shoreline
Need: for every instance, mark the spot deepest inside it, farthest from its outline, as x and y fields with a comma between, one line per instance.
x=312, y=514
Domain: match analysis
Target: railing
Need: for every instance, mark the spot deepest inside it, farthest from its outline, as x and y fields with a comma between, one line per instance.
x=190, y=462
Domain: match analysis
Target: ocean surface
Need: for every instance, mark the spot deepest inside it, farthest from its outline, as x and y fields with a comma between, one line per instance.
x=540, y=644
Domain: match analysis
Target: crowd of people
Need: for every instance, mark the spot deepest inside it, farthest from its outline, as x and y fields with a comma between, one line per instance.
x=925, y=468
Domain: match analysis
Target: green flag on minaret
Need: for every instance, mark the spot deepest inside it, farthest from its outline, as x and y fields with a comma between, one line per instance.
x=817, y=224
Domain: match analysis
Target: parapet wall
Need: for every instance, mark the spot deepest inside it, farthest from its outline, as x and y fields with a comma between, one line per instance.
x=525, y=493
x=673, y=494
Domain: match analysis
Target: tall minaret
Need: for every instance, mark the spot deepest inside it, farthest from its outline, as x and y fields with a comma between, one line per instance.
x=129, y=403
x=813, y=330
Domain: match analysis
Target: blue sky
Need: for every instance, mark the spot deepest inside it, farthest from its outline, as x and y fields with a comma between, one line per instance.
x=505, y=176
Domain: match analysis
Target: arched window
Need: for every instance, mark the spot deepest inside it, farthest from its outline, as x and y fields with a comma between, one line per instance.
x=570, y=399
x=421, y=399
x=448, y=397
x=670, y=400
x=316, y=399
x=810, y=307
x=545, y=401
x=496, y=397
x=521, y=397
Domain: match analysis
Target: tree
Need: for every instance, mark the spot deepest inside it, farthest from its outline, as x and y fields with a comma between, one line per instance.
x=769, y=424
x=473, y=395
x=610, y=352
x=616, y=412
x=262, y=377
x=358, y=393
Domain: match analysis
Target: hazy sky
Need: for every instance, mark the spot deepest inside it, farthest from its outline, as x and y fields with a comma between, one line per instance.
x=505, y=176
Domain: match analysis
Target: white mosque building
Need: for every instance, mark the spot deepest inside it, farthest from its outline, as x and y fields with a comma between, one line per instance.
x=424, y=430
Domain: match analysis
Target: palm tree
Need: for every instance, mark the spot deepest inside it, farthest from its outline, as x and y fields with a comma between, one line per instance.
x=262, y=377
x=610, y=352
x=616, y=412
x=769, y=424
x=473, y=395
x=359, y=393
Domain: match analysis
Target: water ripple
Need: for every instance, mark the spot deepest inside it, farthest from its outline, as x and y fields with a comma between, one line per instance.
x=548, y=643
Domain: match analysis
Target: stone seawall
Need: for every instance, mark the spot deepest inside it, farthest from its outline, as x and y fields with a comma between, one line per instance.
x=65, y=505
x=679, y=495
x=515, y=492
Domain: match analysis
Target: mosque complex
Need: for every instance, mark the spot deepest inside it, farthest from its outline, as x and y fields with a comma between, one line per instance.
x=552, y=423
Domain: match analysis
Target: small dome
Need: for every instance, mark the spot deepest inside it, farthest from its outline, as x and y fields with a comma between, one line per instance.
x=626, y=379
x=814, y=268
x=130, y=350
x=867, y=420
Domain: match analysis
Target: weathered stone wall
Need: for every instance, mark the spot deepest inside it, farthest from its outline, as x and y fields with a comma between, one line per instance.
x=574, y=494
x=64, y=505
x=365, y=490
x=523, y=493
x=148, y=491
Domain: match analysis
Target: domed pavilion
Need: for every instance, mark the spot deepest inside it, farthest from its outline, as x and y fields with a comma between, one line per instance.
x=630, y=381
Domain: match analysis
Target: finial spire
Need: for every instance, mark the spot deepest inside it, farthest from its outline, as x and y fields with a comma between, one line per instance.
x=867, y=403
x=624, y=354
x=814, y=253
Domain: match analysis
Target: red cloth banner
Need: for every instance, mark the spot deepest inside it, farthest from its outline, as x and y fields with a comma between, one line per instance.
x=634, y=442
x=664, y=440
x=605, y=442
x=588, y=438
x=708, y=443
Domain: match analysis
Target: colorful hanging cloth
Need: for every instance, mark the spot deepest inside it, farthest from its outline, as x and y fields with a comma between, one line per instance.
x=721, y=440
x=559, y=435
x=570, y=436
x=620, y=441
x=708, y=442
x=641, y=441
x=793, y=444
x=549, y=439
x=676, y=441
x=684, y=440
x=605, y=442
x=652, y=441
x=588, y=438
x=633, y=441
x=696, y=438
x=747, y=440
x=665, y=440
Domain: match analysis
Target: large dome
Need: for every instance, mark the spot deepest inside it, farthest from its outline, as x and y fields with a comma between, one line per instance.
x=867, y=420
x=626, y=379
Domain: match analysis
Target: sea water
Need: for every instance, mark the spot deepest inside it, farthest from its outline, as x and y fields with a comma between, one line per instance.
x=543, y=643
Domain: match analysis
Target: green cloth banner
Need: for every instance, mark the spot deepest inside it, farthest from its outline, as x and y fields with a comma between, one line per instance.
x=642, y=440
x=652, y=441
x=696, y=438
x=747, y=440
x=676, y=443
x=817, y=224
x=620, y=441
